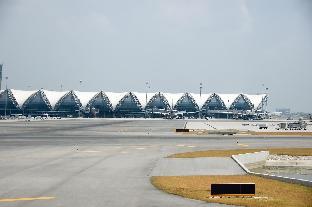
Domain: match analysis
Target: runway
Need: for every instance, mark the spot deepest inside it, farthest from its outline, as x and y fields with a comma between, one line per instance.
x=100, y=162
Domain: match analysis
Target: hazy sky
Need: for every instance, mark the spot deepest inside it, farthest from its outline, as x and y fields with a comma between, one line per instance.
x=231, y=46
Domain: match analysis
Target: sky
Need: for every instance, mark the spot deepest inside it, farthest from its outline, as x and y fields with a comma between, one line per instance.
x=231, y=46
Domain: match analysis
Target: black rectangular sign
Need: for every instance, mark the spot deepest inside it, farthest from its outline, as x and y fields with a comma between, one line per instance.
x=182, y=130
x=233, y=189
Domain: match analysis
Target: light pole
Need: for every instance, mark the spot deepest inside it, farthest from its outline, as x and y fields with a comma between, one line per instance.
x=200, y=92
x=147, y=87
x=265, y=91
x=1, y=66
x=7, y=95
x=266, y=100
x=80, y=84
x=262, y=100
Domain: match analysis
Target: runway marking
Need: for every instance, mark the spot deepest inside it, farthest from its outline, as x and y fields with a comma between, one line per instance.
x=24, y=199
x=90, y=151
x=180, y=145
x=243, y=145
x=191, y=146
x=140, y=148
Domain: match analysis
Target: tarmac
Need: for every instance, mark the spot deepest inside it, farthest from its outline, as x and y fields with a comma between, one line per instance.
x=197, y=166
x=244, y=125
x=101, y=162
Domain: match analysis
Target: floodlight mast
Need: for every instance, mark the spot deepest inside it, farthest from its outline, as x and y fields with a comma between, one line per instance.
x=147, y=87
x=200, y=93
x=80, y=87
x=6, y=98
x=264, y=98
x=1, y=65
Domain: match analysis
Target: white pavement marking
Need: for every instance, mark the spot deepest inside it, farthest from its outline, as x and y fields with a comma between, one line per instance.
x=90, y=151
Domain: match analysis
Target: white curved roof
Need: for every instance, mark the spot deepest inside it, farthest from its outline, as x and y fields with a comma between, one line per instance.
x=200, y=100
x=54, y=96
x=172, y=98
x=114, y=98
x=142, y=97
x=85, y=97
x=256, y=100
x=228, y=99
x=21, y=96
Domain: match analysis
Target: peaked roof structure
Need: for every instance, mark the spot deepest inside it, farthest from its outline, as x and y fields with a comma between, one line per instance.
x=163, y=101
x=201, y=99
x=85, y=97
x=103, y=97
x=41, y=96
x=129, y=96
x=214, y=101
x=187, y=97
x=257, y=100
x=143, y=97
x=114, y=98
x=228, y=99
x=172, y=98
x=61, y=101
x=241, y=101
x=54, y=96
x=21, y=96
x=53, y=99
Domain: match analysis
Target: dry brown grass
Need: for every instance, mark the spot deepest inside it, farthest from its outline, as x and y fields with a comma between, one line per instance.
x=271, y=192
x=228, y=153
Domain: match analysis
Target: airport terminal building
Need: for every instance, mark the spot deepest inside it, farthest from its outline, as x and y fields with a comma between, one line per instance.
x=130, y=104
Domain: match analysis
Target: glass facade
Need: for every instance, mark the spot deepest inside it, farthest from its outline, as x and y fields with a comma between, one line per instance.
x=158, y=101
x=36, y=104
x=7, y=104
x=91, y=104
x=100, y=106
x=69, y=105
x=241, y=104
x=127, y=105
x=214, y=103
x=186, y=103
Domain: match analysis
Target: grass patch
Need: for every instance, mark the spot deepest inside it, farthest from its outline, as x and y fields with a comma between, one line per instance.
x=271, y=193
x=228, y=153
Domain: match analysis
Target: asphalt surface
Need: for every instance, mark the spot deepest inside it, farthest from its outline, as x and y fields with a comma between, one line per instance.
x=100, y=162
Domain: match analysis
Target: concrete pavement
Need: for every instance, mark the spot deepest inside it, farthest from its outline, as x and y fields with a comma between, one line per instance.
x=100, y=162
x=197, y=166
